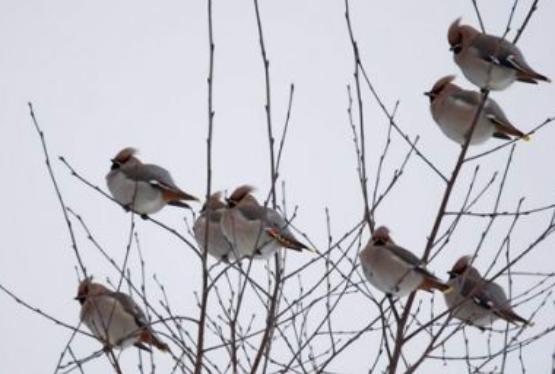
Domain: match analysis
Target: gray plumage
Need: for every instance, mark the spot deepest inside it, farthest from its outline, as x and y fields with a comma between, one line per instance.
x=393, y=269
x=114, y=318
x=144, y=188
x=487, y=60
x=454, y=109
x=475, y=300
x=212, y=213
x=254, y=230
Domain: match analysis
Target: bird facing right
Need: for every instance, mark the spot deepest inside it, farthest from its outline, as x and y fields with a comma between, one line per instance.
x=454, y=109
x=488, y=61
x=476, y=301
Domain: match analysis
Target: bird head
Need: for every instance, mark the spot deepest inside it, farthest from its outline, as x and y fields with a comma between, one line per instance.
x=439, y=87
x=88, y=288
x=461, y=266
x=381, y=235
x=459, y=36
x=240, y=194
x=124, y=156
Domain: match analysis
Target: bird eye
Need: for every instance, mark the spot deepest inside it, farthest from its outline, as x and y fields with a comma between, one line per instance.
x=457, y=48
x=115, y=165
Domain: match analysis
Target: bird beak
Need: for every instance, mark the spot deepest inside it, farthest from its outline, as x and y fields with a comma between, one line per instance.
x=429, y=94
x=454, y=47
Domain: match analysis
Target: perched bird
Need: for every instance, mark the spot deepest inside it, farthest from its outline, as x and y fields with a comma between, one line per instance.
x=114, y=318
x=454, y=109
x=143, y=188
x=211, y=213
x=489, y=61
x=254, y=230
x=393, y=269
x=475, y=300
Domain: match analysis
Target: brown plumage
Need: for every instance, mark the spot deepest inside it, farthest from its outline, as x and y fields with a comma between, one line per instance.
x=477, y=301
x=114, y=318
x=395, y=270
x=489, y=61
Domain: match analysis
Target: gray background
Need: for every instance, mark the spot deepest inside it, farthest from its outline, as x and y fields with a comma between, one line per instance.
x=103, y=75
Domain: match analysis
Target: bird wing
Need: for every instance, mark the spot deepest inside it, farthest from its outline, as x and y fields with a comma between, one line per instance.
x=468, y=98
x=131, y=307
x=503, y=126
x=489, y=296
x=410, y=258
x=153, y=174
x=500, y=52
x=496, y=294
x=277, y=227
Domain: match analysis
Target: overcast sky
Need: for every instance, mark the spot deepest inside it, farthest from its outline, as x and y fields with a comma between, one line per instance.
x=103, y=75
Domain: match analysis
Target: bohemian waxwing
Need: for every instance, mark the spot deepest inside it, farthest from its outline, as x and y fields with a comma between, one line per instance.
x=143, y=188
x=212, y=212
x=489, y=61
x=393, y=269
x=454, y=109
x=254, y=230
x=476, y=301
x=114, y=318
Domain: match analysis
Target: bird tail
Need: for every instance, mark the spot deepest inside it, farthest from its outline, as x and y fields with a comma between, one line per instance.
x=179, y=204
x=286, y=240
x=432, y=283
x=531, y=77
x=148, y=337
x=503, y=128
x=510, y=316
x=172, y=195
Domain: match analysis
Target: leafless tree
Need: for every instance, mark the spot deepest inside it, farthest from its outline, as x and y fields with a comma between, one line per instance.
x=297, y=325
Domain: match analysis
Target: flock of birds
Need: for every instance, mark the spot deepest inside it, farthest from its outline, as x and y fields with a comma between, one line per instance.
x=240, y=227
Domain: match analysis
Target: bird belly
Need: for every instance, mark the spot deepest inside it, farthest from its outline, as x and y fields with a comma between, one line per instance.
x=456, y=120
x=140, y=196
x=108, y=322
x=247, y=237
x=392, y=276
x=487, y=75
x=218, y=245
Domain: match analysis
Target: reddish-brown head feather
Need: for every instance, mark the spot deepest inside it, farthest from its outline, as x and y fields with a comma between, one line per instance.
x=125, y=154
x=240, y=193
x=381, y=234
x=461, y=265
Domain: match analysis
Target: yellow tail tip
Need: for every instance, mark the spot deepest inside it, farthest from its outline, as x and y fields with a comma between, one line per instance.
x=311, y=250
x=526, y=138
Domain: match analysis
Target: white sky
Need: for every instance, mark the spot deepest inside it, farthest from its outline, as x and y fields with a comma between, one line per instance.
x=103, y=75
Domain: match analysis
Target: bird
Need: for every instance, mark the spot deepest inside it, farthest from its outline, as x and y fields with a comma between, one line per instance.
x=454, y=109
x=395, y=270
x=114, y=318
x=488, y=61
x=254, y=230
x=476, y=301
x=211, y=213
x=143, y=188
